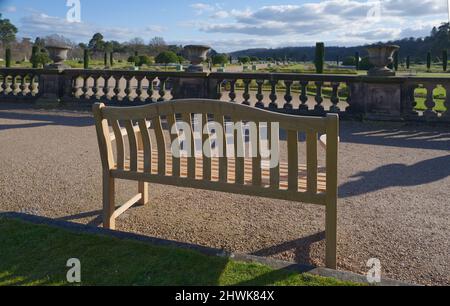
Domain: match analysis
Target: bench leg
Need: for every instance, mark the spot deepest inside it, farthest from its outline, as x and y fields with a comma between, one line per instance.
x=331, y=234
x=143, y=190
x=109, y=206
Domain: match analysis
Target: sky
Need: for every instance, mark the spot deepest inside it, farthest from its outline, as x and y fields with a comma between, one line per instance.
x=232, y=24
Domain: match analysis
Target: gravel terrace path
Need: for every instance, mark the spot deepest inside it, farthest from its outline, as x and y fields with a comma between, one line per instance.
x=394, y=196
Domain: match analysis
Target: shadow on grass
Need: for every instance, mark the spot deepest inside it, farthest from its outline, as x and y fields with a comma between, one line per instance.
x=35, y=251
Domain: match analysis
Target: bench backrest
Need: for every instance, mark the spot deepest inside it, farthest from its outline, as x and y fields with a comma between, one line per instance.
x=139, y=121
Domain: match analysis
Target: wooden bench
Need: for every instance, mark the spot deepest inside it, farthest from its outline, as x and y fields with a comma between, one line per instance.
x=148, y=159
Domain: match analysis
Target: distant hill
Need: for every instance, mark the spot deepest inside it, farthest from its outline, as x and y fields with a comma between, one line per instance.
x=417, y=48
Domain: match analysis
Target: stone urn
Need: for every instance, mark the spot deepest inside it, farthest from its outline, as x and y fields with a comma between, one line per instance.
x=58, y=54
x=381, y=56
x=196, y=54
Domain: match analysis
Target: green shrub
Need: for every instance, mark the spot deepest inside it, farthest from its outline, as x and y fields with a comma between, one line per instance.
x=349, y=61
x=408, y=62
x=167, y=57
x=429, y=61
x=220, y=59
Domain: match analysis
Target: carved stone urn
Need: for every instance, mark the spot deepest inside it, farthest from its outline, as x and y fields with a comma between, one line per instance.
x=58, y=54
x=381, y=56
x=196, y=54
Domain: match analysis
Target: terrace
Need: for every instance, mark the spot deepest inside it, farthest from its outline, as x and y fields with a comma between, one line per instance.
x=393, y=179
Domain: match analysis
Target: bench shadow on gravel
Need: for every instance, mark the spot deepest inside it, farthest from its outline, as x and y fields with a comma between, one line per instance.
x=397, y=175
x=44, y=119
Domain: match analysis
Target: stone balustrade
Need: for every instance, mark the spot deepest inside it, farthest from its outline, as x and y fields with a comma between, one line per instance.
x=385, y=98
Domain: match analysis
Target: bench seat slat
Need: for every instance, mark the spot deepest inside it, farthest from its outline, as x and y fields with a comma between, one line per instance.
x=247, y=171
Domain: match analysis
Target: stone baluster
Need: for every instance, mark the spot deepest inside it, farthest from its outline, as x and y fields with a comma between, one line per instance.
x=128, y=97
x=246, y=94
x=4, y=86
x=105, y=87
x=232, y=94
x=117, y=90
x=288, y=95
x=162, y=89
x=335, y=97
x=150, y=91
x=139, y=89
x=319, y=98
x=95, y=90
x=304, y=96
x=447, y=101
x=85, y=88
x=13, y=86
x=23, y=86
x=31, y=86
x=349, y=100
x=429, y=102
x=259, y=94
x=273, y=95
x=75, y=87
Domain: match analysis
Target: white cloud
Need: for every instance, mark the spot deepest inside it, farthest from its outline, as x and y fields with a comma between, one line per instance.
x=11, y=9
x=334, y=19
x=39, y=24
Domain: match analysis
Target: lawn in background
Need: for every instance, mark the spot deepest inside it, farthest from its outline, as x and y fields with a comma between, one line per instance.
x=37, y=255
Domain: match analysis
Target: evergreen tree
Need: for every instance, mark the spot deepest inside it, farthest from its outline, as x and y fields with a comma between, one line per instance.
x=357, y=60
x=86, y=59
x=429, y=61
x=8, y=58
x=445, y=60
x=320, y=57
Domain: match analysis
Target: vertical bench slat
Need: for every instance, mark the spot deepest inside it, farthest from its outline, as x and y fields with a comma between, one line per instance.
x=222, y=143
x=206, y=149
x=274, y=146
x=146, y=145
x=239, y=142
x=292, y=160
x=133, y=145
x=119, y=144
x=174, y=138
x=311, y=164
x=256, y=161
x=161, y=143
x=187, y=118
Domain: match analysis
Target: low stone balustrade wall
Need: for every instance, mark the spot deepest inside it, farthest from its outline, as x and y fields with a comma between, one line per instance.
x=377, y=98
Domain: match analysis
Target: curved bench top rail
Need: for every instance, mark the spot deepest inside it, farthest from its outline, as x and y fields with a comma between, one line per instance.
x=204, y=106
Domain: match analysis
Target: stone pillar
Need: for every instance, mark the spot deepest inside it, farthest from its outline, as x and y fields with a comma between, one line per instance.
x=380, y=95
x=51, y=87
x=197, y=86
x=52, y=82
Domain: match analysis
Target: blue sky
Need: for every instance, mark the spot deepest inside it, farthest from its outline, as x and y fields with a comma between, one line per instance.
x=232, y=24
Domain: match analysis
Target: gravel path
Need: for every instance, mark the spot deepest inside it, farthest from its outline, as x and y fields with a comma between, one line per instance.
x=394, y=196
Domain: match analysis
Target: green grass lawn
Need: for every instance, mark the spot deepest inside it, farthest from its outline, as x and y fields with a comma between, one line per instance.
x=37, y=255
